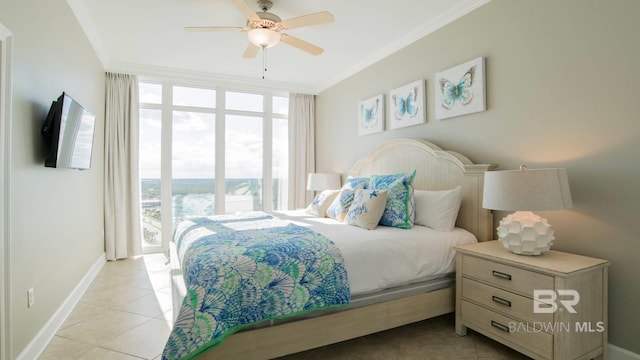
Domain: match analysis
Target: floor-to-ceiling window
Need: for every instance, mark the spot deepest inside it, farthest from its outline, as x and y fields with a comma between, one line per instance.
x=209, y=150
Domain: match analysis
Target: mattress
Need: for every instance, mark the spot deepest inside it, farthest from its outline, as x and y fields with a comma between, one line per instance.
x=387, y=257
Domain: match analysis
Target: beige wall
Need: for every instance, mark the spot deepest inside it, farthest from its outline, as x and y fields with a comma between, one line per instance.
x=563, y=81
x=56, y=215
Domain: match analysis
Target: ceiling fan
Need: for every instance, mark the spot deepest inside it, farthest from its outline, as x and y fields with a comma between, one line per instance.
x=264, y=29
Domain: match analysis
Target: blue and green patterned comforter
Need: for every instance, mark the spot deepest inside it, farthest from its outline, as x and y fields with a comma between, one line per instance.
x=240, y=270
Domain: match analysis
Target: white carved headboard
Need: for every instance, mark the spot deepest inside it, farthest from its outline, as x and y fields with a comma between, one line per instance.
x=436, y=169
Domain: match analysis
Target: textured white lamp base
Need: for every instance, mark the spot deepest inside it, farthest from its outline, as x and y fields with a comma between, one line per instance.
x=525, y=233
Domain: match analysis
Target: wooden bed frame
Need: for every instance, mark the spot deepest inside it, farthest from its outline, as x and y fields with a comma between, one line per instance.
x=436, y=169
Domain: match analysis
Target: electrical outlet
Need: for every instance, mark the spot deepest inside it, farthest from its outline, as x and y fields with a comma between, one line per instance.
x=31, y=297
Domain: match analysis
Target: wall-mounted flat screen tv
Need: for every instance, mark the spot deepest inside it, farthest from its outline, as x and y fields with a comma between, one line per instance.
x=69, y=130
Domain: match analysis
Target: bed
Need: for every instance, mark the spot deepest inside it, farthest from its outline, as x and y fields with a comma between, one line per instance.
x=375, y=305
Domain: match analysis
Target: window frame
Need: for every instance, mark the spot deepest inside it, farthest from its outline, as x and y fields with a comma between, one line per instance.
x=167, y=108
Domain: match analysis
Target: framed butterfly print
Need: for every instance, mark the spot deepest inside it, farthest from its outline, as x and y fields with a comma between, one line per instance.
x=460, y=90
x=371, y=115
x=408, y=105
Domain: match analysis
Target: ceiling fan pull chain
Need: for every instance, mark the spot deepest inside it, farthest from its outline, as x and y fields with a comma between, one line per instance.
x=264, y=61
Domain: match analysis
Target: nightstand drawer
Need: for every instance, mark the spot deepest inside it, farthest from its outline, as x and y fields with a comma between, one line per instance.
x=505, y=276
x=507, y=330
x=508, y=303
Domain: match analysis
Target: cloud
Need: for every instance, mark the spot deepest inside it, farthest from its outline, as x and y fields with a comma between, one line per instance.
x=184, y=121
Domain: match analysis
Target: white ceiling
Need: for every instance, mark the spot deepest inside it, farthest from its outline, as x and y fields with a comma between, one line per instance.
x=146, y=37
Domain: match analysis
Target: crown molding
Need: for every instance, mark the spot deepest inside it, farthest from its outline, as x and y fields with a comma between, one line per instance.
x=446, y=18
x=151, y=72
x=84, y=19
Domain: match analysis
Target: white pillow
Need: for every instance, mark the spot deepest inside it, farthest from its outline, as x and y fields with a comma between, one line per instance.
x=367, y=208
x=319, y=205
x=438, y=209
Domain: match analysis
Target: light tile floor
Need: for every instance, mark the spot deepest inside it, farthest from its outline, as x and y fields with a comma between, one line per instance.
x=126, y=314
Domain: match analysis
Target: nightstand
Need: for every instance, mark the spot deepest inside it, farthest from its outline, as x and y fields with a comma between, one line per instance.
x=550, y=306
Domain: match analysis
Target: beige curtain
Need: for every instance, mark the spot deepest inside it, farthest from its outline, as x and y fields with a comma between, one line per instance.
x=121, y=180
x=302, y=117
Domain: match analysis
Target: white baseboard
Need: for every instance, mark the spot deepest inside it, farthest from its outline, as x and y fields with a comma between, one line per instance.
x=37, y=345
x=618, y=353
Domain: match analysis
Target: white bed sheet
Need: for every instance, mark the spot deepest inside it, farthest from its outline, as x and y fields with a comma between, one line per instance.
x=386, y=257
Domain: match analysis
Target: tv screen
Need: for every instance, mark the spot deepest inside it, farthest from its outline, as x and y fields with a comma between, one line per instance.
x=69, y=128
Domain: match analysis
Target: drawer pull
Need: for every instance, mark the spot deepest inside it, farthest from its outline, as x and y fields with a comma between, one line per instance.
x=499, y=326
x=501, y=301
x=501, y=275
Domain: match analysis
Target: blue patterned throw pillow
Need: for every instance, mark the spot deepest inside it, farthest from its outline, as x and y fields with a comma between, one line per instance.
x=355, y=183
x=400, y=210
x=340, y=205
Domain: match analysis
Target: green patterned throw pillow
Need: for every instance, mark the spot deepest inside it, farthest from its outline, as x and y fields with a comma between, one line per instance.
x=400, y=209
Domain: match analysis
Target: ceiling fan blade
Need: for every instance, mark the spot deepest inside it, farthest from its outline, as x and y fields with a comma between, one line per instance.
x=246, y=10
x=213, y=28
x=251, y=51
x=301, y=44
x=308, y=20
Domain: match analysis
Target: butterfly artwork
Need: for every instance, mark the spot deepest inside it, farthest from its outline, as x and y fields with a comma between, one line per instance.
x=461, y=90
x=371, y=115
x=408, y=105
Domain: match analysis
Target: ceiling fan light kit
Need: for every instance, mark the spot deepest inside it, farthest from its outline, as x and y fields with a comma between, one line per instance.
x=265, y=38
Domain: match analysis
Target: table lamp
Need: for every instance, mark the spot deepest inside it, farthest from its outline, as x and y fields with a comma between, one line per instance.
x=524, y=191
x=323, y=181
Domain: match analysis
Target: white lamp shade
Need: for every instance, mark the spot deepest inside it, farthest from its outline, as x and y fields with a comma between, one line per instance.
x=321, y=181
x=265, y=38
x=528, y=190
